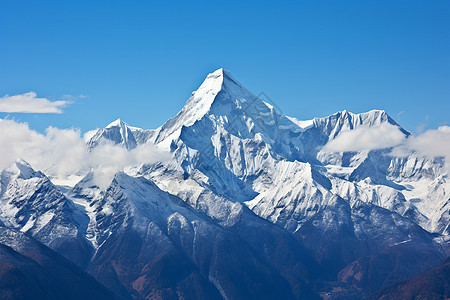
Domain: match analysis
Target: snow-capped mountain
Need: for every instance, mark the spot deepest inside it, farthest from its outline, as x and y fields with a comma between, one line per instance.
x=246, y=152
x=252, y=202
x=160, y=233
x=119, y=133
x=32, y=204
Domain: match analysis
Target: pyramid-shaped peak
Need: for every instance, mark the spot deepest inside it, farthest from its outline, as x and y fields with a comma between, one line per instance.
x=203, y=98
x=219, y=95
x=221, y=78
x=117, y=123
x=118, y=132
x=220, y=72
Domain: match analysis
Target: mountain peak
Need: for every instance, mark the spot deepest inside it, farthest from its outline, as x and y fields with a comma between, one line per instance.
x=219, y=94
x=118, y=132
x=199, y=104
x=370, y=118
x=21, y=169
x=220, y=73
x=377, y=112
x=117, y=123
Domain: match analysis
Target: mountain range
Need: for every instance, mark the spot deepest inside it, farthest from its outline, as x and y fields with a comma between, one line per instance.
x=250, y=204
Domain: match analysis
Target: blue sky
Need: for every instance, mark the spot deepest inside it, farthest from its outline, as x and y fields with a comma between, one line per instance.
x=140, y=60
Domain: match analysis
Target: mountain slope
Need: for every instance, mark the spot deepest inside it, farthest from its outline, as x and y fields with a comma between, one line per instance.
x=432, y=284
x=232, y=150
x=32, y=204
x=29, y=270
x=151, y=243
x=231, y=147
x=252, y=204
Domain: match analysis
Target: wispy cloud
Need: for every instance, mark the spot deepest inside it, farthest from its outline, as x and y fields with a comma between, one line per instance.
x=30, y=103
x=399, y=115
x=72, y=97
x=422, y=126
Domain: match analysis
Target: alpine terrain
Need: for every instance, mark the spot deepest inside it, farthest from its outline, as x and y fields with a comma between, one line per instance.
x=250, y=204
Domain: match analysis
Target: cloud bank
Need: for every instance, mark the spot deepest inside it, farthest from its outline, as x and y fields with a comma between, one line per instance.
x=30, y=103
x=366, y=138
x=431, y=143
x=60, y=153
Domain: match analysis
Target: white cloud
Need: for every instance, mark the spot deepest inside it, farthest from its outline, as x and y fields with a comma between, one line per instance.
x=30, y=103
x=366, y=138
x=60, y=153
x=108, y=159
x=431, y=143
x=434, y=142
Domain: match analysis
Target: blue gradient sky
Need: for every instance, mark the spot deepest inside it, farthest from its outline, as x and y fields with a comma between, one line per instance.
x=140, y=61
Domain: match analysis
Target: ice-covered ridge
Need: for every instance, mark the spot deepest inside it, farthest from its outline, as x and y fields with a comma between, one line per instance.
x=226, y=101
x=345, y=120
x=202, y=99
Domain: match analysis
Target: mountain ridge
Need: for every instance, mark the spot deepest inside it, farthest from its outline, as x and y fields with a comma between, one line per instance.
x=244, y=186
